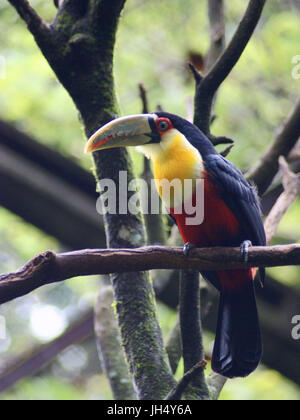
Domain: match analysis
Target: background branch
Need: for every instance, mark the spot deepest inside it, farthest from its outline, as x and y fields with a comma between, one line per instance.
x=291, y=184
x=263, y=173
x=155, y=228
x=216, y=17
x=110, y=348
x=189, y=377
x=173, y=345
x=207, y=86
x=36, y=25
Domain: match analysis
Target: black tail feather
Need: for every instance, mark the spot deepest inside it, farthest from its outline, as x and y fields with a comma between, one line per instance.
x=238, y=348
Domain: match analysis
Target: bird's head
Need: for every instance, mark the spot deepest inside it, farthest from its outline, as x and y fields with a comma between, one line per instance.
x=151, y=132
x=176, y=147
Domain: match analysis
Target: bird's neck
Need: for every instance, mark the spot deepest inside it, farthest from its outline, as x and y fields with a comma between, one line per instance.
x=176, y=160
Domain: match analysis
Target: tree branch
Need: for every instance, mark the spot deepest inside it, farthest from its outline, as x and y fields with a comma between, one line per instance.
x=110, y=347
x=191, y=332
x=215, y=384
x=33, y=360
x=144, y=98
x=155, y=228
x=291, y=184
x=49, y=267
x=173, y=345
x=208, y=85
x=217, y=32
x=36, y=25
x=177, y=392
x=288, y=135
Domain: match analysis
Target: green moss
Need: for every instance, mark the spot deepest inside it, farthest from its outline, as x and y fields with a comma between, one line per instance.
x=64, y=22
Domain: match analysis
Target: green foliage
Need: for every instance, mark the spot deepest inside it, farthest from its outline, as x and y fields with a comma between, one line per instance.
x=51, y=388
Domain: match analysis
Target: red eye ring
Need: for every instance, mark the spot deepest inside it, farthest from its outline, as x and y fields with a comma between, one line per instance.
x=163, y=124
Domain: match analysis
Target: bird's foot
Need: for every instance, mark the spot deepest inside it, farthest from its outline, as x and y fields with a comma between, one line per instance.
x=187, y=248
x=244, y=250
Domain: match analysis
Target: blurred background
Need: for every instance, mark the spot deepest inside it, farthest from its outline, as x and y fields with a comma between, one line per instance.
x=47, y=191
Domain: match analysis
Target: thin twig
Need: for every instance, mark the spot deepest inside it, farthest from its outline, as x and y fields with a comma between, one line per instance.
x=37, y=26
x=144, y=98
x=177, y=392
x=156, y=232
x=291, y=184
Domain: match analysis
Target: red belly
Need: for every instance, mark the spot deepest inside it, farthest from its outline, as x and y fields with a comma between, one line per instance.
x=219, y=227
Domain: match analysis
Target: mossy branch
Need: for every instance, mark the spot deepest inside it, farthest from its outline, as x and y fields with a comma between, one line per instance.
x=36, y=25
x=110, y=347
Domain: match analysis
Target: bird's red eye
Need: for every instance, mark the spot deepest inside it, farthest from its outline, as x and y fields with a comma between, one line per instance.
x=163, y=125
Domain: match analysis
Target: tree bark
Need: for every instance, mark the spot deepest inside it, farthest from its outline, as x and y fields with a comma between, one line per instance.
x=49, y=267
x=79, y=46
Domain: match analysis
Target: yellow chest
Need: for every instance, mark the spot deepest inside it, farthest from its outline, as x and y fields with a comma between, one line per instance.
x=178, y=161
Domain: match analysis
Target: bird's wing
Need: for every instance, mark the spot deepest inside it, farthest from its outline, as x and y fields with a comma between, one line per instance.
x=239, y=196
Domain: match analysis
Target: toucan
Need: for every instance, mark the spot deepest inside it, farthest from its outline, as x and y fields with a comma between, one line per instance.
x=232, y=217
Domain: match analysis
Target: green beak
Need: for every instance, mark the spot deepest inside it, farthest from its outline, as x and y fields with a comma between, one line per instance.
x=134, y=130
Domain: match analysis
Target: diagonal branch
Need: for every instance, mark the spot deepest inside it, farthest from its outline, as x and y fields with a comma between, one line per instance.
x=49, y=267
x=177, y=392
x=288, y=135
x=207, y=86
x=36, y=25
x=291, y=183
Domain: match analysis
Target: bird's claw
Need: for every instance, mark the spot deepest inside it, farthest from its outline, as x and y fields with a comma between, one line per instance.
x=187, y=248
x=244, y=250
